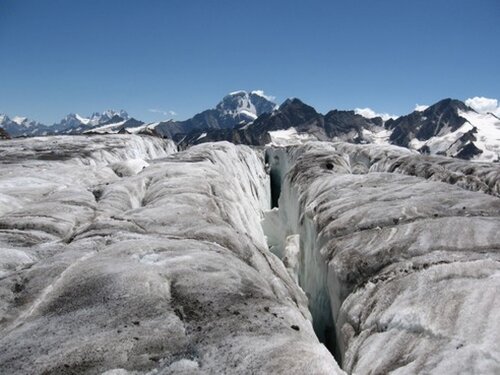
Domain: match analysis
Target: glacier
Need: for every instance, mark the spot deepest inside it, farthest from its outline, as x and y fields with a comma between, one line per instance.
x=398, y=255
x=121, y=255
x=161, y=270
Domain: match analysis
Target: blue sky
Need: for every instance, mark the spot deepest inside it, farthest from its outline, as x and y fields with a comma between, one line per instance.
x=61, y=56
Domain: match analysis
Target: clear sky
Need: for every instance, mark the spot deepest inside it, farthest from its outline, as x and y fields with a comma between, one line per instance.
x=61, y=56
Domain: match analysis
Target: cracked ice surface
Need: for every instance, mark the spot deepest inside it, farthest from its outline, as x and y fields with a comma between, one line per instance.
x=399, y=252
x=164, y=269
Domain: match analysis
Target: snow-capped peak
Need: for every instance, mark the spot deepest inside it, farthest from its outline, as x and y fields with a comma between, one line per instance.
x=100, y=118
x=19, y=120
x=244, y=104
x=420, y=107
x=75, y=120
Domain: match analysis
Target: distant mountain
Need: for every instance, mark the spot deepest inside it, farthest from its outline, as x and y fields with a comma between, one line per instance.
x=449, y=128
x=296, y=115
x=236, y=109
x=21, y=126
x=71, y=124
x=76, y=124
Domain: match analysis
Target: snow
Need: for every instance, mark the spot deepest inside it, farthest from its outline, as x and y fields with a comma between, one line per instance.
x=377, y=136
x=19, y=120
x=140, y=128
x=202, y=135
x=442, y=142
x=288, y=137
x=237, y=92
x=488, y=134
x=421, y=107
x=488, y=137
x=109, y=128
x=83, y=120
x=250, y=114
x=239, y=103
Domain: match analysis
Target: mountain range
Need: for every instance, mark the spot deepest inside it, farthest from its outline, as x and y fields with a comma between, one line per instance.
x=448, y=127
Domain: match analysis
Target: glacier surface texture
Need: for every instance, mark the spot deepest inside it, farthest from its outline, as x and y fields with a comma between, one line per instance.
x=120, y=255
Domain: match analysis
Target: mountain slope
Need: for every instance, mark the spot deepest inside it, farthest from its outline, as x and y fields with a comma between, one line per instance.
x=237, y=108
x=21, y=126
x=449, y=128
x=296, y=117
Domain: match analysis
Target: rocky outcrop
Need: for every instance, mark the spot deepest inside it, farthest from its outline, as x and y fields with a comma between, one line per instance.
x=4, y=134
x=293, y=113
x=234, y=110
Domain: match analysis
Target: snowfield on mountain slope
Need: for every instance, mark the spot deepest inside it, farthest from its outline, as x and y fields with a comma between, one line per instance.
x=488, y=134
x=484, y=127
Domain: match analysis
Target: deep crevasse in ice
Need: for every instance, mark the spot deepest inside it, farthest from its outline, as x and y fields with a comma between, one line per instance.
x=117, y=255
x=164, y=269
x=407, y=266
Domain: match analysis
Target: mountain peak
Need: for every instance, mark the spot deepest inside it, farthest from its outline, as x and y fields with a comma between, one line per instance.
x=447, y=104
x=294, y=104
x=244, y=104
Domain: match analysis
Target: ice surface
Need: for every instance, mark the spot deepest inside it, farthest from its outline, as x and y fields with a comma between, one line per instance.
x=162, y=270
x=403, y=256
x=120, y=256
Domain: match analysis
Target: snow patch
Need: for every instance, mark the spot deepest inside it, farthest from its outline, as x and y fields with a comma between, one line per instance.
x=421, y=107
x=19, y=120
x=488, y=134
x=377, y=136
x=202, y=135
x=288, y=137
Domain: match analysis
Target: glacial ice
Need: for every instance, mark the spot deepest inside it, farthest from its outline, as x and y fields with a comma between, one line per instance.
x=120, y=256
x=399, y=252
x=161, y=270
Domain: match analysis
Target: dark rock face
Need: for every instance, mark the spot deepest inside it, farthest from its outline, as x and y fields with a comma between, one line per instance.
x=469, y=151
x=4, y=134
x=427, y=124
x=234, y=110
x=338, y=123
x=293, y=113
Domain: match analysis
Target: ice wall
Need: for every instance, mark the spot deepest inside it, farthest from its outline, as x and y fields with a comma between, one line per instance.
x=405, y=261
x=163, y=270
